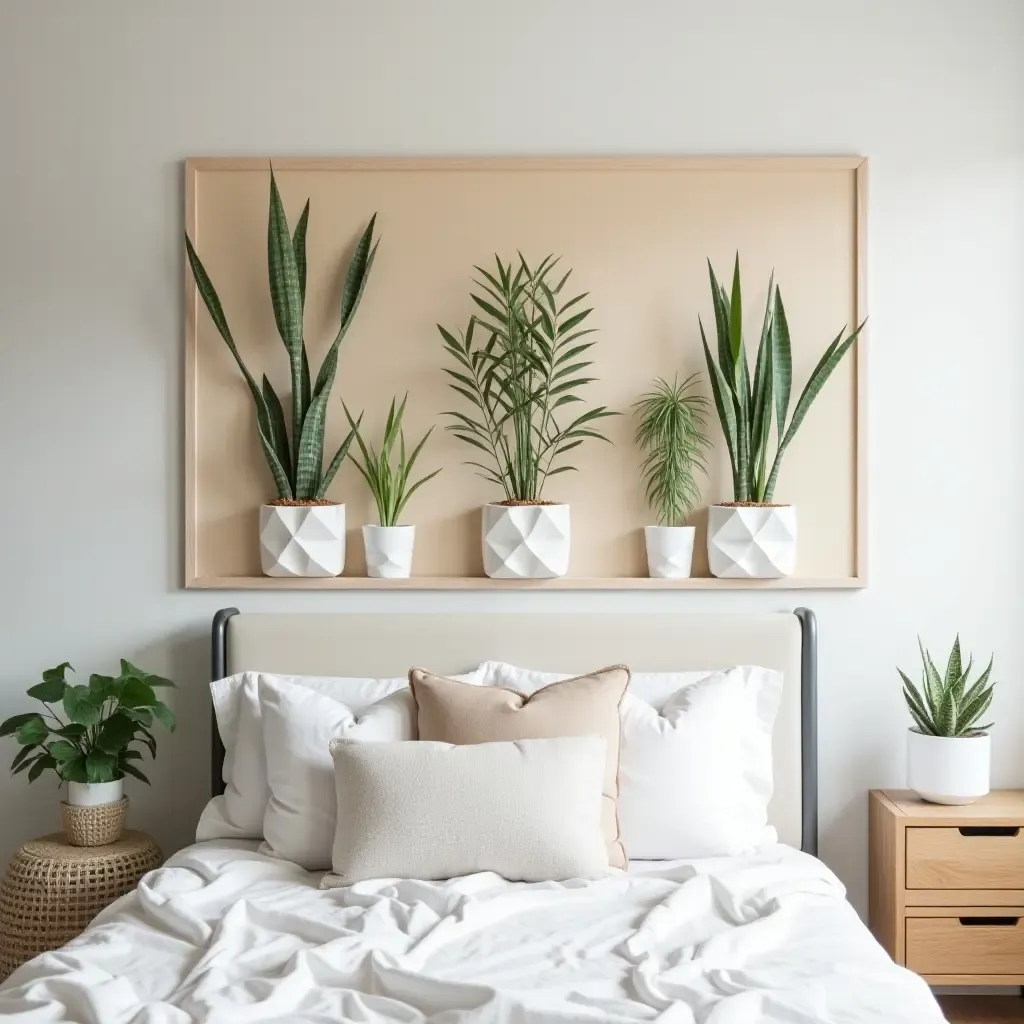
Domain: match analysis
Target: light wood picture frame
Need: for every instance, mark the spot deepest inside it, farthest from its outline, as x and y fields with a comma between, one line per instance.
x=637, y=233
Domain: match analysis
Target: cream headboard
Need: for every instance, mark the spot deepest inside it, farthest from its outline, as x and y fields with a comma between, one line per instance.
x=386, y=645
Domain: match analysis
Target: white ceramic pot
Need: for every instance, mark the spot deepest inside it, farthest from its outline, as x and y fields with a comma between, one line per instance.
x=751, y=541
x=302, y=540
x=526, y=542
x=94, y=794
x=669, y=551
x=947, y=769
x=389, y=551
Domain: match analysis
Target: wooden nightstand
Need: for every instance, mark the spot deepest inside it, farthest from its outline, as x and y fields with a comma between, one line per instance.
x=947, y=886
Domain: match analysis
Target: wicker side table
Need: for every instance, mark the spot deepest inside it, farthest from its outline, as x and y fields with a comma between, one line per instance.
x=53, y=890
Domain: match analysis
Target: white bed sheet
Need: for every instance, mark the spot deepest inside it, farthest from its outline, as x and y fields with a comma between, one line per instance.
x=222, y=934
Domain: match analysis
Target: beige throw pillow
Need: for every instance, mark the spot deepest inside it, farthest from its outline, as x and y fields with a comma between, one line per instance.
x=453, y=712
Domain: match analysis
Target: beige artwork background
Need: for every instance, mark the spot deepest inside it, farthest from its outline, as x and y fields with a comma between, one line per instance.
x=637, y=234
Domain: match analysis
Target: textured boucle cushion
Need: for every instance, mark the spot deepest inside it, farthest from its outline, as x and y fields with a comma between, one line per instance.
x=529, y=810
x=452, y=712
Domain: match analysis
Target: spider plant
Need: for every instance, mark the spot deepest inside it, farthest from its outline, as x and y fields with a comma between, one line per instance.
x=389, y=483
x=949, y=704
x=297, y=464
x=672, y=436
x=521, y=365
x=745, y=406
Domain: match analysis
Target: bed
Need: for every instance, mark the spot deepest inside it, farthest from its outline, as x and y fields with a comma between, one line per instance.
x=223, y=933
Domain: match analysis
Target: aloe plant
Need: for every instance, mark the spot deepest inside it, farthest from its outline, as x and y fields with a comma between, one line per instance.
x=523, y=377
x=949, y=704
x=672, y=436
x=296, y=463
x=389, y=484
x=746, y=405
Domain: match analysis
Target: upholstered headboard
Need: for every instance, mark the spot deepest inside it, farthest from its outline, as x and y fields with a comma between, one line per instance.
x=387, y=645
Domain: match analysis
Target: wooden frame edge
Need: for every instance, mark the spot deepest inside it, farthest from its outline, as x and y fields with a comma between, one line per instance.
x=191, y=425
x=861, y=371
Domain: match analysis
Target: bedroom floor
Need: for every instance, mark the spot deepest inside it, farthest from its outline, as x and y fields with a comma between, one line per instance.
x=982, y=1009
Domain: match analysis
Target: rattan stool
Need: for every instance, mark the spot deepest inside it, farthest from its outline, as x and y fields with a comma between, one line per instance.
x=53, y=890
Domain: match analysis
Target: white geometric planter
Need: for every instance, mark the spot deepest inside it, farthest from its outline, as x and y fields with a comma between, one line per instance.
x=95, y=794
x=389, y=551
x=751, y=541
x=526, y=542
x=302, y=540
x=669, y=551
x=948, y=769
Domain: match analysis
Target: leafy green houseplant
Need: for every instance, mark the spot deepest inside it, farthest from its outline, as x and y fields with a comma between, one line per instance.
x=295, y=460
x=752, y=536
x=948, y=752
x=89, y=735
x=387, y=474
x=521, y=364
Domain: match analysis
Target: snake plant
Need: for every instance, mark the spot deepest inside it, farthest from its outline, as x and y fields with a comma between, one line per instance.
x=523, y=377
x=672, y=437
x=296, y=463
x=746, y=406
x=949, y=704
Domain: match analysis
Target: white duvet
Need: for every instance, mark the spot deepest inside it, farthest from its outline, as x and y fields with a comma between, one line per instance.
x=223, y=934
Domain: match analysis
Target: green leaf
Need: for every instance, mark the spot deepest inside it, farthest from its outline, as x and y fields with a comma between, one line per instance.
x=25, y=765
x=129, y=755
x=101, y=688
x=49, y=691
x=137, y=694
x=142, y=715
x=41, y=766
x=32, y=731
x=79, y=706
x=285, y=290
x=15, y=722
x=782, y=364
x=278, y=430
x=62, y=750
x=22, y=754
x=299, y=247
x=130, y=769
x=954, y=668
x=71, y=732
x=74, y=770
x=100, y=766
x=163, y=714
x=57, y=673
x=116, y=733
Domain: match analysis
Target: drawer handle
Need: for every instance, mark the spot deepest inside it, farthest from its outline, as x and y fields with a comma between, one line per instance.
x=989, y=922
x=988, y=830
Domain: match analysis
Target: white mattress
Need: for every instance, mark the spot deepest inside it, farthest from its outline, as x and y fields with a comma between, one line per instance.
x=222, y=934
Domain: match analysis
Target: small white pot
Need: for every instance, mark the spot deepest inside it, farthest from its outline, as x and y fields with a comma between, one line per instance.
x=526, y=542
x=948, y=769
x=751, y=541
x=93, y=794
x=389, y=551
x=669, y=551
x=302, y=540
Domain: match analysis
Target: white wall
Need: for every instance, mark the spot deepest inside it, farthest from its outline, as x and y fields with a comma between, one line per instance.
x=102, y=101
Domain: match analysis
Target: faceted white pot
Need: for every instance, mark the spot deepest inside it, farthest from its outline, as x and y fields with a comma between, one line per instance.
x=526, y=542
x=389, y=551
x=751, y=541
x=669, y=551
x=948, y=769
x=302, y=540
x=93, y=794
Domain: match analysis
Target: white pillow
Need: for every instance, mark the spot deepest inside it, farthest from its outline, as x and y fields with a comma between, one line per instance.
x=238, y=812
x=695, y=773
x=529, y=810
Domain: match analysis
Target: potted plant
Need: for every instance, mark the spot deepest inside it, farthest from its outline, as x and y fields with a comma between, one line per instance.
x=302, y=531
x=948, y=753
x=521, y=365
x=389, y=546
x=96, y=742
x=752, y=536
x=672, y=437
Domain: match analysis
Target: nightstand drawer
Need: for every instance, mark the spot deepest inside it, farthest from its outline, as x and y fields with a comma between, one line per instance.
x=987, y=945
x=970, y=857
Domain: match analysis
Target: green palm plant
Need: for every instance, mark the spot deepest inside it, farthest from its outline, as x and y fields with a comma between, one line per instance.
x=949, y=704
x=746, y=405
x=523, y=376
x=297, y=464
x=388, y=482
x=672, y=436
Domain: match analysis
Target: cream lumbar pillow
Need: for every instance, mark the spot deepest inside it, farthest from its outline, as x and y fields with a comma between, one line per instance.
x=452, y=712
x=529, y=810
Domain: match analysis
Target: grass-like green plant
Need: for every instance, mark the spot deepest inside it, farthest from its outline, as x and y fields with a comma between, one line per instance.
x=93, y=741
x=672, y=436
x=746, y=405
x=949, y=704
x=388, y=482
x=522, y=364
x=297, y=464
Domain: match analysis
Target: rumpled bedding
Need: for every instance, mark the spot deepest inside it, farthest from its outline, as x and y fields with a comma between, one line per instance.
x=223, y=934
